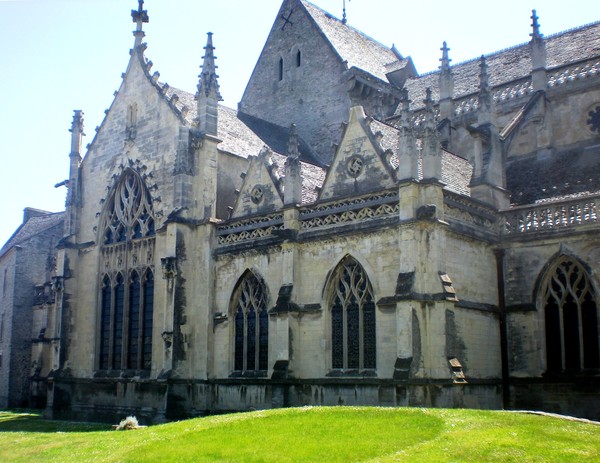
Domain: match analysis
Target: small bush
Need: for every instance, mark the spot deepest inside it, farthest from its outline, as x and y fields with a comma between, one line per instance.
x=130, y=422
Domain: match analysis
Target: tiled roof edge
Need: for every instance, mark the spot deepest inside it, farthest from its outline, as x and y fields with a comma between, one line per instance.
x=512, y=47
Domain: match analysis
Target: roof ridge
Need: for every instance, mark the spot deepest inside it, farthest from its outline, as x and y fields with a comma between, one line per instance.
x=513, y=47
x=354, y=29
x=572, y=29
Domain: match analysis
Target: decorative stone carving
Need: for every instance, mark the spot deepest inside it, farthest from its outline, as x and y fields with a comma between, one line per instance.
x=257, y=194
x=355, y=165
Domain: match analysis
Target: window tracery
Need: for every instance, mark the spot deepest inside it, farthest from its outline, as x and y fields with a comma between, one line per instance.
x=352, y=318
x=126, y=298
x=251, y=325
x=129, y=211
x=571, y=319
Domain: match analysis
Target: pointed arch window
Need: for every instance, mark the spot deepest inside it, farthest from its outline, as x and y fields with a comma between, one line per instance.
x=352, y=318
x=298, y=59
x=251, y=326
x=126, y=322
x=571, y=319
x=126, y=298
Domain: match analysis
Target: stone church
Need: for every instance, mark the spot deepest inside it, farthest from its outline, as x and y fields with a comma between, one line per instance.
x=387, y=238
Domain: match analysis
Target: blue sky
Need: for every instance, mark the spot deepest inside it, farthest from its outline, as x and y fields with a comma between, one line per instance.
x=61, y=55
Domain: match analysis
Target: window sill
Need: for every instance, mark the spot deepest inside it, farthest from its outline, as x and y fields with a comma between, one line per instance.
x=352, y=372
x=249, y=374
x=125, y=374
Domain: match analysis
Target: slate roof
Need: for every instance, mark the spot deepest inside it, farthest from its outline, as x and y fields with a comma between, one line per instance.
x=512, y=64
x=245, y=136
x=564, y=175
x=242, y=134
x=358, y=49
x=312, y=177
x=31, y=228
x=456, y=171
x=277, y=137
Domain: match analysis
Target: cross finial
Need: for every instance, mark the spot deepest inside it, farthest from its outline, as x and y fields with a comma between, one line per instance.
x=535, y=35
x=139, y=16
x=344, y=19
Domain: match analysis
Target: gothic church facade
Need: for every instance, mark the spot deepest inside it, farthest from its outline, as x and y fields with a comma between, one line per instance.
x=388, y=238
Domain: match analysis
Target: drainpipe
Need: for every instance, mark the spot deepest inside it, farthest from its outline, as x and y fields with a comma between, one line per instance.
x=499, y=253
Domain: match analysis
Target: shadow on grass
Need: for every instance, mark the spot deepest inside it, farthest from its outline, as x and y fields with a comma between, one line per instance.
x=33, y=422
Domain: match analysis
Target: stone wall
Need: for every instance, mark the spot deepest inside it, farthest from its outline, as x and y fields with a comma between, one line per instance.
x=316, y=87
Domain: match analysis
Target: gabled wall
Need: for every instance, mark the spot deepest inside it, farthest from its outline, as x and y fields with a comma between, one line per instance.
x=149, y=148
x=314, y=92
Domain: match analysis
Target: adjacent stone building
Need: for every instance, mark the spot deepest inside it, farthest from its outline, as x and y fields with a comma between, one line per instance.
x=27, y=265
x=444, y=252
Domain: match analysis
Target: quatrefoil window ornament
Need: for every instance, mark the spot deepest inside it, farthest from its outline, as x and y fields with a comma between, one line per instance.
x=355, y=165
x=257, y=194
x=594, y=120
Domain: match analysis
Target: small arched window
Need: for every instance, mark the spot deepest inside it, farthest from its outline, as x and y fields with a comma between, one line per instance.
x=571, y=318
x=298, y=59
x=251, y=325
x=352, y=317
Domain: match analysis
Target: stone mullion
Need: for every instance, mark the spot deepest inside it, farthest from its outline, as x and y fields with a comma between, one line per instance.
x=361, y=336
x=245, y=342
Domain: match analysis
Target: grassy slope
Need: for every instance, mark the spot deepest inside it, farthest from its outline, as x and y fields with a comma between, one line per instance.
x=311, y=434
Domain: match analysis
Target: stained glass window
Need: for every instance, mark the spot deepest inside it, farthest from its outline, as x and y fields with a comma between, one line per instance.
x=105, y=303
x=127, y=291
x=571, y=319
x=352, y=318
x=133, y=322
x=147, y=326
x=118, y=322
x=251, y=325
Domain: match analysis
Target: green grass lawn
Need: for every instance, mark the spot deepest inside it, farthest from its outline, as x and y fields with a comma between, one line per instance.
x=319, y=434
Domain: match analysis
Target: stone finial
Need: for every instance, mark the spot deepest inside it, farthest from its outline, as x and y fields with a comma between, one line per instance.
x=208, y=90
x=139, y=16
x=408, y=155
x=446, y=85
x=208, y=77
x=539, y=79
x=445, y=60
x=485, y=96
x=293, y=146
x=535, y=34
x=293, y=171
x=429, y=116
x=404, y=108
x=77, y=123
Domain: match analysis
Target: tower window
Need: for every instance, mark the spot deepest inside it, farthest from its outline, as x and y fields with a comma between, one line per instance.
x=280, y=68
x=298, y=59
